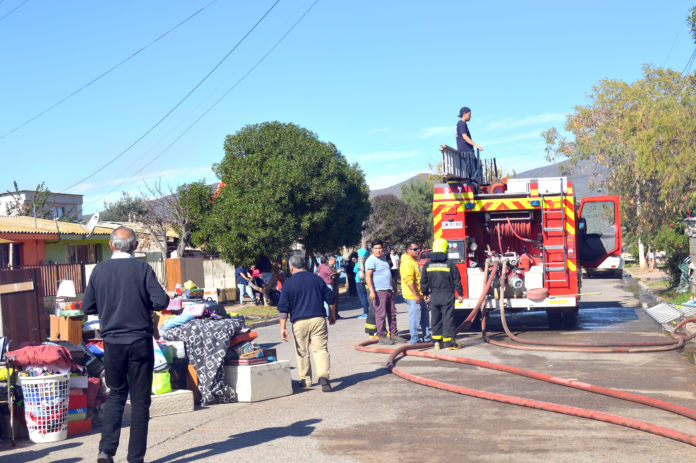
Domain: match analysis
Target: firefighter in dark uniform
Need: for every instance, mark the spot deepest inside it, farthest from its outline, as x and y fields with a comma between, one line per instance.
x=439, y=279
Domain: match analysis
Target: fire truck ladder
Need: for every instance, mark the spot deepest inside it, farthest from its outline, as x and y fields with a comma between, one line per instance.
x=554, y=234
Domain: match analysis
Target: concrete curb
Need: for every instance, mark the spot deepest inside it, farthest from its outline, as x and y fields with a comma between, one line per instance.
x=689, y=350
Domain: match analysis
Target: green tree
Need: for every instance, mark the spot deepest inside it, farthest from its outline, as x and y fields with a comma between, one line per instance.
x=642, y=134
x=38, y=204
x=125, y=209
x=189, y=207
x=395, y=222
x=419, y=196
x=283, y=185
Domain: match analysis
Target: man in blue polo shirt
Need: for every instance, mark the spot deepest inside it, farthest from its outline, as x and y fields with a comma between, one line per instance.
x=302, y=300
x=382, y=289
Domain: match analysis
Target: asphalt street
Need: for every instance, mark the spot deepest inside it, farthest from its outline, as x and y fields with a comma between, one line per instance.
x=374, y=416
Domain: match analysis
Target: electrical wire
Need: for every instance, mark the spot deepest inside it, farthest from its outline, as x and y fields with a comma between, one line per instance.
x=104, y=73
x=210, y=108
x=14, y=9
x=690, y=62
x=176, y=105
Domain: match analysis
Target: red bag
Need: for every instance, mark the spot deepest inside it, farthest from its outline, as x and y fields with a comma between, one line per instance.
x=43, y=355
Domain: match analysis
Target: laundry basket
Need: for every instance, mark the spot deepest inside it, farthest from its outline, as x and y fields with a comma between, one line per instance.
x=46, y=407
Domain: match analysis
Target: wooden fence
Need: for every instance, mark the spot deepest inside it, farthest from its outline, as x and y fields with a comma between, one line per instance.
x=50, y=276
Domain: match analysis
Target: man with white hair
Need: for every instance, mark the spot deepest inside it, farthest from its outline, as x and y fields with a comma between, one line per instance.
x=302, y=301
x=124, y=291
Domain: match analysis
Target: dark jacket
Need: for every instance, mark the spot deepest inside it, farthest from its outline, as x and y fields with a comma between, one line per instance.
x=440, y=278
x=303, y=296
x=124, y=292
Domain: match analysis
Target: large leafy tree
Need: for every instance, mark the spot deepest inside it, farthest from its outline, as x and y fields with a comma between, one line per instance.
x=642, y=134
x=282, y=186
x=127, y=208
x=419, y=196
x=395, y=222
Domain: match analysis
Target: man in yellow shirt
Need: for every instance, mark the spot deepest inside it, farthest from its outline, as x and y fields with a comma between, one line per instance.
x=411, y=291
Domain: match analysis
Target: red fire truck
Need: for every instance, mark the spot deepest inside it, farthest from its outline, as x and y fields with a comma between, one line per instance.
x=533, y=225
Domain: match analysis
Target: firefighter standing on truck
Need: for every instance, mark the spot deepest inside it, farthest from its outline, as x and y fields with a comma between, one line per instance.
x=439, y=280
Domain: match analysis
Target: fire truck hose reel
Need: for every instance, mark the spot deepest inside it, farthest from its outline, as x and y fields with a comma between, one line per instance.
x=548, y=406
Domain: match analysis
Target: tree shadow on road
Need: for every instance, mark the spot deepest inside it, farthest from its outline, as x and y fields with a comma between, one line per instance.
x=240, y=441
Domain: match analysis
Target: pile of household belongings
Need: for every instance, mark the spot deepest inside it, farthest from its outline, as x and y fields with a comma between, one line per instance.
x=81, y=371
x=208, y=332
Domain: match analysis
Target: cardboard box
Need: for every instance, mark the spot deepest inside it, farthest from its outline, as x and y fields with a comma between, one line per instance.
x=77, y=401
x=79, y=427
x=66, y=329
x=179, y=401
x=259, y=382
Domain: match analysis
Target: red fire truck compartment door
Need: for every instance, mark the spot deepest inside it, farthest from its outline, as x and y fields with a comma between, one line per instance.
x=599, y=230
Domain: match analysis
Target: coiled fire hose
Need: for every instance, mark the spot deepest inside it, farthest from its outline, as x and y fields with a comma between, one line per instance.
x=541, y=405
x=616, y=347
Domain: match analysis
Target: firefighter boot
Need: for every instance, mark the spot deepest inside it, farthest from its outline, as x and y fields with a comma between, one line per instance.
x=437, y=342
x=451, y=344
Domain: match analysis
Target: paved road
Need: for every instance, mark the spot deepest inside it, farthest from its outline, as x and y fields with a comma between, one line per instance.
x=374, y=416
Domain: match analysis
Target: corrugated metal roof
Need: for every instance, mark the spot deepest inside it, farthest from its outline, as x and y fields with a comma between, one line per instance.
x=24, y=224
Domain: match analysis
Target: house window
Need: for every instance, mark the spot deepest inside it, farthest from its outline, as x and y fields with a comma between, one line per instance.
x=58, y=212
x=5, y=255
x=83, y=253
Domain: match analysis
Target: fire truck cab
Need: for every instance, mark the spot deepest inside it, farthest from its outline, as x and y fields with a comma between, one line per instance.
x=536, y=227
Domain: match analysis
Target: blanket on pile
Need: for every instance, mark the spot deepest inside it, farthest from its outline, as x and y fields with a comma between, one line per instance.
x=207, y=342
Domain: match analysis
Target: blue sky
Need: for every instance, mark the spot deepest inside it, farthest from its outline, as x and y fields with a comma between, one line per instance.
x=382, y=80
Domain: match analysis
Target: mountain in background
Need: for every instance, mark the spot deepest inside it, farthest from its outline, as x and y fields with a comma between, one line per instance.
x=581, y=176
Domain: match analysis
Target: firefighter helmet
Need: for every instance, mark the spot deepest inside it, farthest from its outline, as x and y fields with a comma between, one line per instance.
x=440, y=245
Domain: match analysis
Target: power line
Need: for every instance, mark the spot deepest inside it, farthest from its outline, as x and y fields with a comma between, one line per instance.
x=101, y=197
x=689, y=63
x=103, y=73
x=176, y=105
x=15, y=9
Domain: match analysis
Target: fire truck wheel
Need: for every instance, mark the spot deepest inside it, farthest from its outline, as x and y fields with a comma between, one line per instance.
x=554, y=317
x=570, y=319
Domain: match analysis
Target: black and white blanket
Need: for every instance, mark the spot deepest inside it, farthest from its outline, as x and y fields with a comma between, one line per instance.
x=207, y=342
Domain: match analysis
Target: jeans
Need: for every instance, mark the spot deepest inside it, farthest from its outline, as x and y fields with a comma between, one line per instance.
x=326, y=305
x=418, y=318
x=385, y=311
x=128, y=368
x=362, y=294
x=244, y=288
x=311, y=333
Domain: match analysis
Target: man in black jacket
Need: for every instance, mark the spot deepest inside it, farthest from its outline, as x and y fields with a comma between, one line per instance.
x=439, y=279
x=123, y=291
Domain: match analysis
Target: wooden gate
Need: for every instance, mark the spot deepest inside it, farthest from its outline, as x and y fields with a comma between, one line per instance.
x=23, y=318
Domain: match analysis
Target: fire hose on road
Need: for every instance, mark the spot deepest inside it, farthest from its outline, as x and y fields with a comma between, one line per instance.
x=413, y=350
x=541, y=405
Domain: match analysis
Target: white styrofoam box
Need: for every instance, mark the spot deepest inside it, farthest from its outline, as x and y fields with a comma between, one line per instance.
x=260, y=382
x=534, y=277
x=553, y=185
x=179, y=401
x=518, y=185
x=476, y=279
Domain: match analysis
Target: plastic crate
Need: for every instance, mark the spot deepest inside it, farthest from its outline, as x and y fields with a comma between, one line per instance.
x=46, y=407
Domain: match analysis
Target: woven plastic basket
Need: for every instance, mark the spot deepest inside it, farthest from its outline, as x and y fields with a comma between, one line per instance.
x=46, y=407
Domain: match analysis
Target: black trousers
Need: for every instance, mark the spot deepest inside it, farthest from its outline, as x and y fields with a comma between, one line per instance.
x=128, y=369
x=442, y=317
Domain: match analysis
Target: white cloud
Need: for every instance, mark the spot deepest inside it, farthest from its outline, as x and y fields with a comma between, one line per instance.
x=536, y=134
x=435, y=131
x=377, y=182
x=517, y=122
